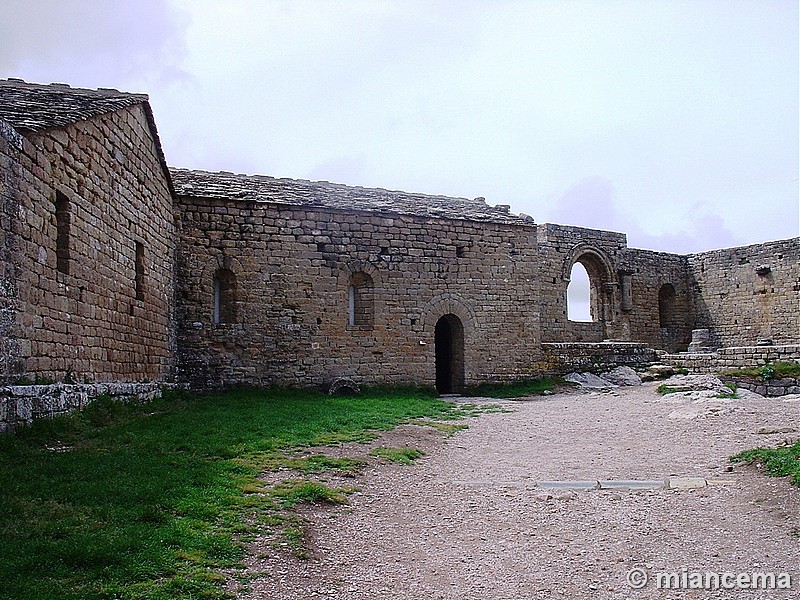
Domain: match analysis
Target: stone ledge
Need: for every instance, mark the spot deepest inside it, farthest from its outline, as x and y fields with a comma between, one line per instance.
x=21, y=404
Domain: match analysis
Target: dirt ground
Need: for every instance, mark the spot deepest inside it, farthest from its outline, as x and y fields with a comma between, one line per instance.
x=469, y=520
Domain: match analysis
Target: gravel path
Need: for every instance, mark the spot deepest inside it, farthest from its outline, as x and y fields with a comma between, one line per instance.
x=468, y=521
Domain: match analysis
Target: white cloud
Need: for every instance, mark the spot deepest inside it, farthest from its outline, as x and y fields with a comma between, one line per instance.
x=675, y=122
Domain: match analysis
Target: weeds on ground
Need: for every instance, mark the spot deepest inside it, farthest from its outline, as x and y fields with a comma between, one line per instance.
x=665, y=389
x=403, y=456
x=733, y=393
x=148, y=501
x=778, y=462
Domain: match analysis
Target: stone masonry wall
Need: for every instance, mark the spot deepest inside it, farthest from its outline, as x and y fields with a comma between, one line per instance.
x=661, y=313
x=625, y=284
x=749, y=293
x=109, y=318
x=10, y=146
x=293, y=266
x=506, y=283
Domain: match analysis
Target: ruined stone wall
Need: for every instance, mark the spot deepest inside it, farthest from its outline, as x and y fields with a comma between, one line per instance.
x=293, y=267
x=626, y=284
x=659, y=311
x=10, y=146
x=560, y=246
x=95, y=280
x=749, y=293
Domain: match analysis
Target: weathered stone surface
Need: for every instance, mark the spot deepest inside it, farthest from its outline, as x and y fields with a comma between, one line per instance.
x=589, y=380
x=622, y=376
x=110, y=274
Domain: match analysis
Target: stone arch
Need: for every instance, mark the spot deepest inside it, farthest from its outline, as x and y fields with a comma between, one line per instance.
x=601, y=280
x=449, y=325
x=449, y=354
x=448, y=304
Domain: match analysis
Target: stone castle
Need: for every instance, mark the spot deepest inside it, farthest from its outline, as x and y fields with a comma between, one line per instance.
x=117, y=269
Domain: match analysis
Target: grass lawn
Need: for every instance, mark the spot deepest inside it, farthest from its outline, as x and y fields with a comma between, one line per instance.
x=148, y=501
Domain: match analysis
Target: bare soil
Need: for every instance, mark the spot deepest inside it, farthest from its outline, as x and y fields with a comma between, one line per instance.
x=468, y=520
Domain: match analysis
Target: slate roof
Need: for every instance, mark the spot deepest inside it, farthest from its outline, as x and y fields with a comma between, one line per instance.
x=300, y=192
x=34, y=107
x=31, y=107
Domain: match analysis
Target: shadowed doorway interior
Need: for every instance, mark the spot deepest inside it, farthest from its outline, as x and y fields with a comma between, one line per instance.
x=449, y=339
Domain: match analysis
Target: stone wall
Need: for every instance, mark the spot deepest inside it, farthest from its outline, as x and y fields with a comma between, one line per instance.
x=94, y=253
x=293, y=267
x=10, y=146
x=287, y=271
x=749, y=293
x=661, y=313
x=562, y=358
x=20, y=405
x=736, y=357
x=625, y=283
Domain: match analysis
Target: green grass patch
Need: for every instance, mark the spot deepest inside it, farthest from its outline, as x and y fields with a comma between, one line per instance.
x=147, y=501
x=665, y=389
x=403, y=456
x=292, y=492
x=775, y=370
x=730, y=394
x=778, y=462
x=515, y=389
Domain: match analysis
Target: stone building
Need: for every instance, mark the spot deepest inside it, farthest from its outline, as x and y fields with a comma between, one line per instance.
x=88, y=237
x=118, y=269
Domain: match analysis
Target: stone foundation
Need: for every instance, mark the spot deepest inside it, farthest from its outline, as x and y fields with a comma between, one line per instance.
x=560, y=358
x=21, y=404
x=770, y=387
x=741, y=357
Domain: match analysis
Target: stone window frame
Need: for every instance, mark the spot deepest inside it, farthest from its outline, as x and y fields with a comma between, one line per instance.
x=360, y=283
x=139, y=270
x=360, y=301
x=224, y=297
x=212, y=265
x=602, y=283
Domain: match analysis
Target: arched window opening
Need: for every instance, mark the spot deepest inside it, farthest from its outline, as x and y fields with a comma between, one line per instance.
x=667, y=310
x=224, y=296
x=360, y=302
x=579, y=295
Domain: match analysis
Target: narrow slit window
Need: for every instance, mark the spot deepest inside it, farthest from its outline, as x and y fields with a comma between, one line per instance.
x=63, y=221
x=139, y=278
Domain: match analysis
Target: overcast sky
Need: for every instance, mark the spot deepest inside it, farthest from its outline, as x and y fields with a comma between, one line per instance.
x=673, y=121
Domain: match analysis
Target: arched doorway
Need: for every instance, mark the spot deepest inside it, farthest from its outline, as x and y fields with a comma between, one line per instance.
x=449, y=342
